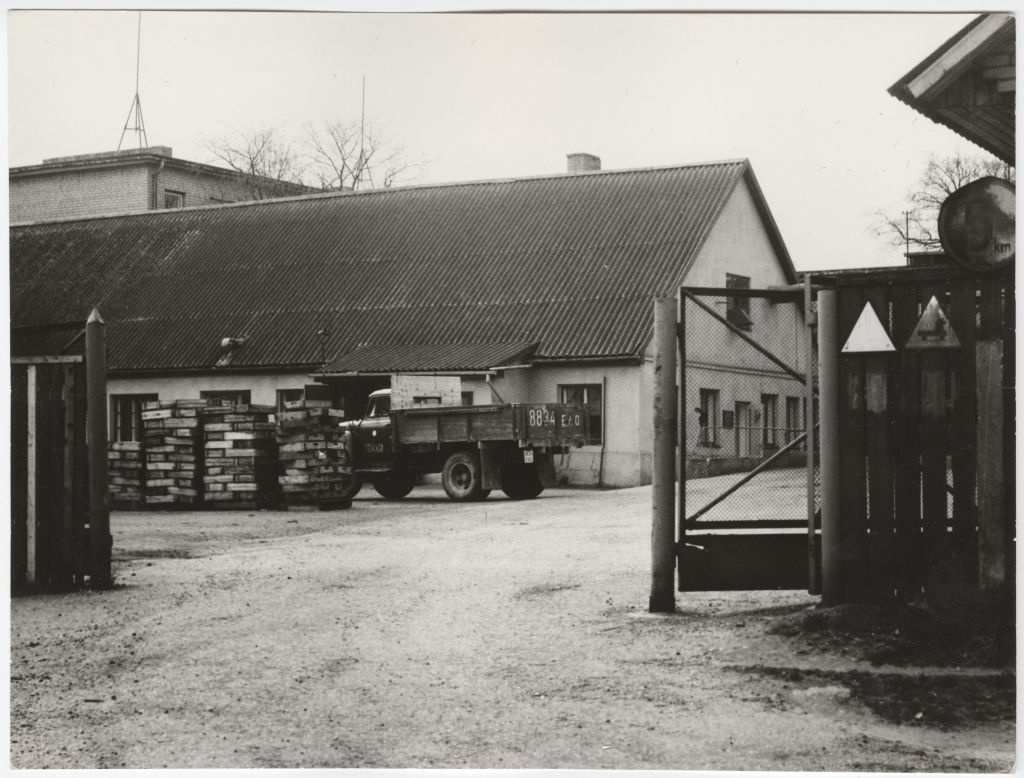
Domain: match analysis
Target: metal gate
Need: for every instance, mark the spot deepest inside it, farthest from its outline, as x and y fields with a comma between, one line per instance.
x=747, y=466
x=923, y=503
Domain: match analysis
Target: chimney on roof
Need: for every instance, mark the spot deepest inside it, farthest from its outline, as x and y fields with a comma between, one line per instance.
x=583, y=163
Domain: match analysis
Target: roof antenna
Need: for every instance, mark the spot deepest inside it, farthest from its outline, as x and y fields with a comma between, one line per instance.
x=136, y=110
x=361, y=162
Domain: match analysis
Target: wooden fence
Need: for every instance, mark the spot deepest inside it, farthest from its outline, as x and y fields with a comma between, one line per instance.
x=925, y=444
x=49, y=477
x=60, y=521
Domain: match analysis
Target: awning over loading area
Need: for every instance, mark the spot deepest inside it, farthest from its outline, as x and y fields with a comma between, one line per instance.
x=428, y=358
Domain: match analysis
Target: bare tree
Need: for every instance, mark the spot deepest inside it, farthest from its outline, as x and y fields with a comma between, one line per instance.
x=270, y=164
x=917, y=225
x=346, y=155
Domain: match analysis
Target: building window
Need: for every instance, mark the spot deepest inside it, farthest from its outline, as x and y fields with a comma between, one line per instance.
x=467, y=398
x=227, y=396
x=126, y=415
x=737, y=309
x=794, y=418
x=770, y=420
x=174, y=199
x=588, y=395
x=288, y=396
x=707, y=418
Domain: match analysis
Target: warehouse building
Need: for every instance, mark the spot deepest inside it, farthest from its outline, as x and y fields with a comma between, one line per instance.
x=532, y=289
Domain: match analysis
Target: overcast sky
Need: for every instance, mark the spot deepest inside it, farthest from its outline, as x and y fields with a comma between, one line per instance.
x=476, y=96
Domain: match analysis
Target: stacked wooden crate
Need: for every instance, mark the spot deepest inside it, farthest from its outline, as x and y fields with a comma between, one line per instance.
x=125, y=465
x=173, y=452
x=240, y=450
x=311, y=448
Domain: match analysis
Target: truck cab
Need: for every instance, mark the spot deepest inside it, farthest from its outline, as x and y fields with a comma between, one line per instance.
x=372, y=435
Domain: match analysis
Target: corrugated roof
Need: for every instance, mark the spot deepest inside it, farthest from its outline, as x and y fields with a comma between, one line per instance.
x=568, y=262
x=420, y=357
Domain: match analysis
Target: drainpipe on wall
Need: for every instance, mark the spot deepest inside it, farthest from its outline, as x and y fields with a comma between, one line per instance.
x=156, y=186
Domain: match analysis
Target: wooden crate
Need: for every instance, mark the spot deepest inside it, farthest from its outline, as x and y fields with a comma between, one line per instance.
x=315, y=462
x=126, y=465
x=240, y=457
x=173, y=453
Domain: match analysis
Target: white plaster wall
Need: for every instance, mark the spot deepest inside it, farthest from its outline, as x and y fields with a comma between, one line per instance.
x=262, y=385
x=618, y=461
x=739, y=244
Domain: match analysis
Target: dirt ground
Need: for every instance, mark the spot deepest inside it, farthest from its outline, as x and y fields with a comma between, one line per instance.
x=427, y=634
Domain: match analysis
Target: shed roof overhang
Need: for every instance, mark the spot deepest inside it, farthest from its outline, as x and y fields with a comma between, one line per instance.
x=430, y=358
x=968, y=84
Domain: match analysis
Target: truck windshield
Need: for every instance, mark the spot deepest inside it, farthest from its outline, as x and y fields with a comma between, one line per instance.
x=379, y=406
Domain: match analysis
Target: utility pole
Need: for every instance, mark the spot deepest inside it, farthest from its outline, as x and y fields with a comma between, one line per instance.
x=663, y=546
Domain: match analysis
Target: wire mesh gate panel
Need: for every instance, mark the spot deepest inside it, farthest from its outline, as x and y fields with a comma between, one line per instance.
x=743, y=497
x=49, y=478
x=925, y=450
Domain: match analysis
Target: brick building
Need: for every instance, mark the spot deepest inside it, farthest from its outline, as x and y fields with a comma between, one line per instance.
x=127, y=181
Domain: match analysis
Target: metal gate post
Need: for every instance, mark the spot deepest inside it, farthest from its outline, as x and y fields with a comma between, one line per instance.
x=813, y=584
x=828, y=414
x=663, y=550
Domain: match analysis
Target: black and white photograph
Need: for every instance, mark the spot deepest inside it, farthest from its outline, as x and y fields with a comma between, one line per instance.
x=509, y=386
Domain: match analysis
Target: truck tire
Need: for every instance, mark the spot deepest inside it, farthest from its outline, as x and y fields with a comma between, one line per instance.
x=393, y=486
x=462, y=477
x=521, y=482
x=350, y=486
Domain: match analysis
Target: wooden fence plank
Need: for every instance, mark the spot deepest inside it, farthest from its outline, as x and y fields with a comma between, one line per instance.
x=906, y=446
x=940, y=577
x=66, y=563
x=992, y=543
x=19, y=472
x=878, y=449
x=852, y=475
x=963, y=454
x=31, y=460
x=1009, y=337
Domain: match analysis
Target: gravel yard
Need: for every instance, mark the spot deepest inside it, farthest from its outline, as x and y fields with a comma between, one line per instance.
x=428, y=634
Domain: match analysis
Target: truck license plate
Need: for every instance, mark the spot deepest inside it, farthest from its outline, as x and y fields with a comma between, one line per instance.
x=528, y=457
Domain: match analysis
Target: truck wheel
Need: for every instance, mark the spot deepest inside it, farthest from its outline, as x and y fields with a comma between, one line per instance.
x=521, y=483
x=350, y=486
x=393, y=486
x=462, y=477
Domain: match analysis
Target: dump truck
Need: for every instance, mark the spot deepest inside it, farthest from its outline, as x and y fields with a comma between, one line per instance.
x=475, y=448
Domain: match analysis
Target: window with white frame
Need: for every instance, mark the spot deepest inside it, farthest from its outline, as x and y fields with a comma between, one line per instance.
x=588, y=395
x=770, y=420
x=126, y=416
x=707, y=417
x=794, y=418
x=227, y=396
x=288, y=396
x=737, y=309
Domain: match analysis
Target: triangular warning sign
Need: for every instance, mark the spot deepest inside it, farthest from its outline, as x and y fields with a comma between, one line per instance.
x=933, y=330
x=868, y=334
